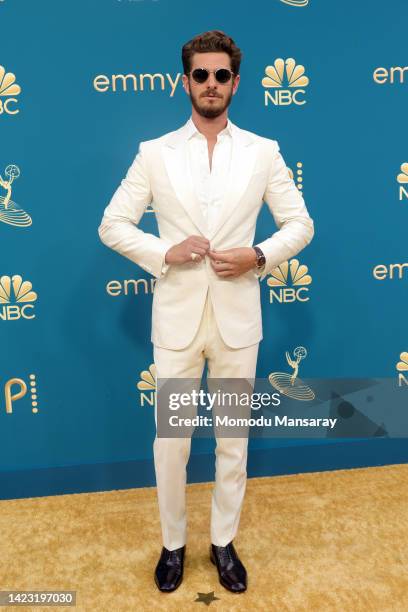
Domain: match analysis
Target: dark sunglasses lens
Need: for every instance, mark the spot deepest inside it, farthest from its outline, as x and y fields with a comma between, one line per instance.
x=200, y=75
x=223, y=75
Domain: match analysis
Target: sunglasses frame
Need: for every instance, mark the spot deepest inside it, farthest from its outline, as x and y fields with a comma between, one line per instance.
x=232, y=74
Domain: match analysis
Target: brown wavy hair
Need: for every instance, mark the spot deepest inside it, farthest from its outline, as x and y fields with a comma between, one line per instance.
x=213, y=40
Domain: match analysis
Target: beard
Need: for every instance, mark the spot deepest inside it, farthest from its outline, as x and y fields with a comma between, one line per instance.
x=206, y=109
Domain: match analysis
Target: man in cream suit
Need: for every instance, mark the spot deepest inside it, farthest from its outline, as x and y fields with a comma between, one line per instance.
x=206, y=181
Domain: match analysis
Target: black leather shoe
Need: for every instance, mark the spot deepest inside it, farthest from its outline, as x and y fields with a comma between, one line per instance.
x=169, y=570
x=231, y=572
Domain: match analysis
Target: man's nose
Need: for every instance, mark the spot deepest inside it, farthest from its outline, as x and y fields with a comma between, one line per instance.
x=212, y=81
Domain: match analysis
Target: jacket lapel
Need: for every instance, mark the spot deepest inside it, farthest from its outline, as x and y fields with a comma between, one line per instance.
x=175, y=154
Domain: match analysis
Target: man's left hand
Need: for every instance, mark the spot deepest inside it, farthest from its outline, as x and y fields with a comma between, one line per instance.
x=233, y=262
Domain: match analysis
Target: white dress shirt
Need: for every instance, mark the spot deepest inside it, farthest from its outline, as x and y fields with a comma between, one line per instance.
x=209, y=183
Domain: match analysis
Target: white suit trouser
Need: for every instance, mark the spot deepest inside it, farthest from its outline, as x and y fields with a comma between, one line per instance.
x=171, y=454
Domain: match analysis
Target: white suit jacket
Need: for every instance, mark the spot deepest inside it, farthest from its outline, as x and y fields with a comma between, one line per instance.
x=159, y=176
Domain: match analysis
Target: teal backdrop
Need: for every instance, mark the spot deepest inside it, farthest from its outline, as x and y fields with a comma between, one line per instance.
x=75, y=316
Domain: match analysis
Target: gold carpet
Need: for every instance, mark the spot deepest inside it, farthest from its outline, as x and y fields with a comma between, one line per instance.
x=319, y=541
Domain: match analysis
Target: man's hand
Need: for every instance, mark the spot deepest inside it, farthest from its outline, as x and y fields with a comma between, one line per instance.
x=233, y=262
x=181, y=253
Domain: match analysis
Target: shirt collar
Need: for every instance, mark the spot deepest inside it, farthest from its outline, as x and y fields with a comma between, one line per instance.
x=192, y=129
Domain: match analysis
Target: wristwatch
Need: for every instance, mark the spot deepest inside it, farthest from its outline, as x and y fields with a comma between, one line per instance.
x=260, y=257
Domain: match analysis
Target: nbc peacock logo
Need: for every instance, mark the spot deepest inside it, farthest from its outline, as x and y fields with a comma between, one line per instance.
x=8, y=92
x=296, y=2
x=289, y=282
x=147, y=386
x=284, y=83
x=16, y=297
x=402, y=179
x=402, y=369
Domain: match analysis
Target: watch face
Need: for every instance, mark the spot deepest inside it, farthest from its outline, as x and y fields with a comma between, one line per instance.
x=260, y=258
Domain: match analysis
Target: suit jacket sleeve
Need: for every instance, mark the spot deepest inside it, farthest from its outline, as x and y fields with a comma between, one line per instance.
x=118, y=229
x=286, y=203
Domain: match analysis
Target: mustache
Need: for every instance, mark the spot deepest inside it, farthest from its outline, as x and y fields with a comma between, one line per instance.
x=213, y=93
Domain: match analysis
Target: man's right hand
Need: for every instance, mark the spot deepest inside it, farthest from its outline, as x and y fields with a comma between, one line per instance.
x=181, y=253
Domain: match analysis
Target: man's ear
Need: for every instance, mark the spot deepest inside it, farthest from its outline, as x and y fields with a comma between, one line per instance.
x=236, y=83
x=186, y=84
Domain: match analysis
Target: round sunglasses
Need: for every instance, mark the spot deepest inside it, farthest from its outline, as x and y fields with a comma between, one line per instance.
x=222, y=75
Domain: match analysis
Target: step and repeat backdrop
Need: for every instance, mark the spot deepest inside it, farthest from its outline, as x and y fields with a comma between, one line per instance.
x=82, y=82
